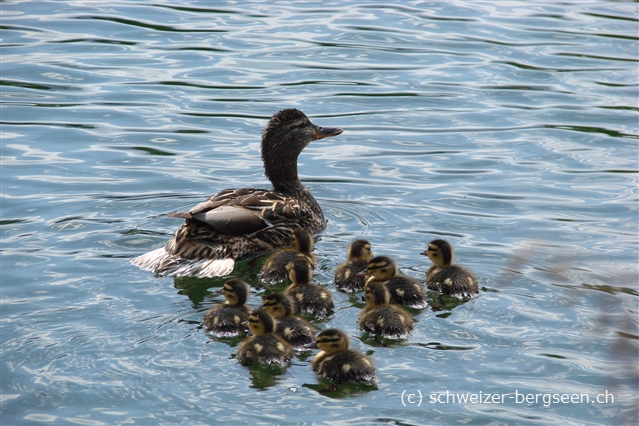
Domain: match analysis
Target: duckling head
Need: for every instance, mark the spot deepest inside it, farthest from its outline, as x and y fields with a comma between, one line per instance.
x=279, y=305
x=300, y=272
x=376, y=294
x=261, y=322
x=332, y=340
x=285, y=136
x=381, y=268
x=302, y=241
x=359, y=250
x=440, y=252
x=235, y=292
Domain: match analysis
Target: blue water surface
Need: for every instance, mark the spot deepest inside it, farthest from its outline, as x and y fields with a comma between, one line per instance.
x=508, y=128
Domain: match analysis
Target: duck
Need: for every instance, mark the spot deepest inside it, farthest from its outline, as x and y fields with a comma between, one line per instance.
x=274, y=268
x=310, y=298
x=265, y=347
x=337, y=362
x=236, y=224
x=445, y=277
x=381, y=318
x=403, y=289
x=291, y=328
x=227, y=319
x=346, y=275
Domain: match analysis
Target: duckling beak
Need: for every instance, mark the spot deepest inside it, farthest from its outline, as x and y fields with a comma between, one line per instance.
x=326, y=132
x=425, y=253
x=219, y=290
x=363, y=273
x=312, y=345
x=363, y=298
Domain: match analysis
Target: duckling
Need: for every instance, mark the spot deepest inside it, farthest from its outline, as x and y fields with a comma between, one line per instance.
x=226, y=319
x=403, y=289
x=293, y=329
x=274, y=268
x=264, y=347
x=381, y=318
x=338, y=363
x=358, y=255
x=446, y=278
x=310, y=298
x=236, y=224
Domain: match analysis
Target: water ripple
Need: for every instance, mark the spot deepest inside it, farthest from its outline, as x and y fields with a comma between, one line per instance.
x=508, y=129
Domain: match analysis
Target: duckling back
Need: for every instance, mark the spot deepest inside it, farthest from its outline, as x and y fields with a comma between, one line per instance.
x=310, y=298
x=346, y=274
x=338, y=363
x=267, y=349
x=264, y=347
x=291, y=328
x=407, y=292
x=295, y=331
x=274, y=268
x=344, y=366
x=227, y=319
x=454, y=280
x=382, y=319
x=445, y=277
x=403, y=290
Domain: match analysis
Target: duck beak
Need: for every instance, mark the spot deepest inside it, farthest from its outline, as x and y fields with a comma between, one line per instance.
x=220, y=290
x=326, y=132
x=425, y=253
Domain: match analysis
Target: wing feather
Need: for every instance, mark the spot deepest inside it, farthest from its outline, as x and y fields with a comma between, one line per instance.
x=244, y=211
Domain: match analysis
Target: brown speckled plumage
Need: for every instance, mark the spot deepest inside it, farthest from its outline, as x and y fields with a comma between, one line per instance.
x=337, y=362
x=291, y=328
x=309, y=298
x=381, y=318
x=346, y=275
x=445, y=277
x=227, y=319
x=403, y=289
x=274, y=267
x=238, y=223
x=264, y=347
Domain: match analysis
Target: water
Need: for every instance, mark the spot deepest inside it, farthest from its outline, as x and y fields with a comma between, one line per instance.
x=508, y=128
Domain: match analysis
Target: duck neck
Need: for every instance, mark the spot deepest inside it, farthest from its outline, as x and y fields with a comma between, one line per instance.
x=286, y=181
x=284, y=178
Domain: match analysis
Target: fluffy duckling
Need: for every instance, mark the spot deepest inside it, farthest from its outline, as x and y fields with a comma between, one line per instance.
x=310, y=298
x=235, y=224
x=403, y=289
x=264, y=347
x=445, y=277
x=338, y=363
x=226, y=319
x=294, y=330
x=274, y=268
x=381, y=318
x=358, y=255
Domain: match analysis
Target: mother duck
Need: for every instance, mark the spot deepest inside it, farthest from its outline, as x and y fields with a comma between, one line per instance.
x=238, y=223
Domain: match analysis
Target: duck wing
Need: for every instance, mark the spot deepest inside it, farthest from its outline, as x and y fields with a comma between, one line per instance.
x=244, y=211
x=230, y=225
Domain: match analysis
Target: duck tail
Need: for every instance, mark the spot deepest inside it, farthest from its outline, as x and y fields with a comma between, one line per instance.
x=164, y=263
